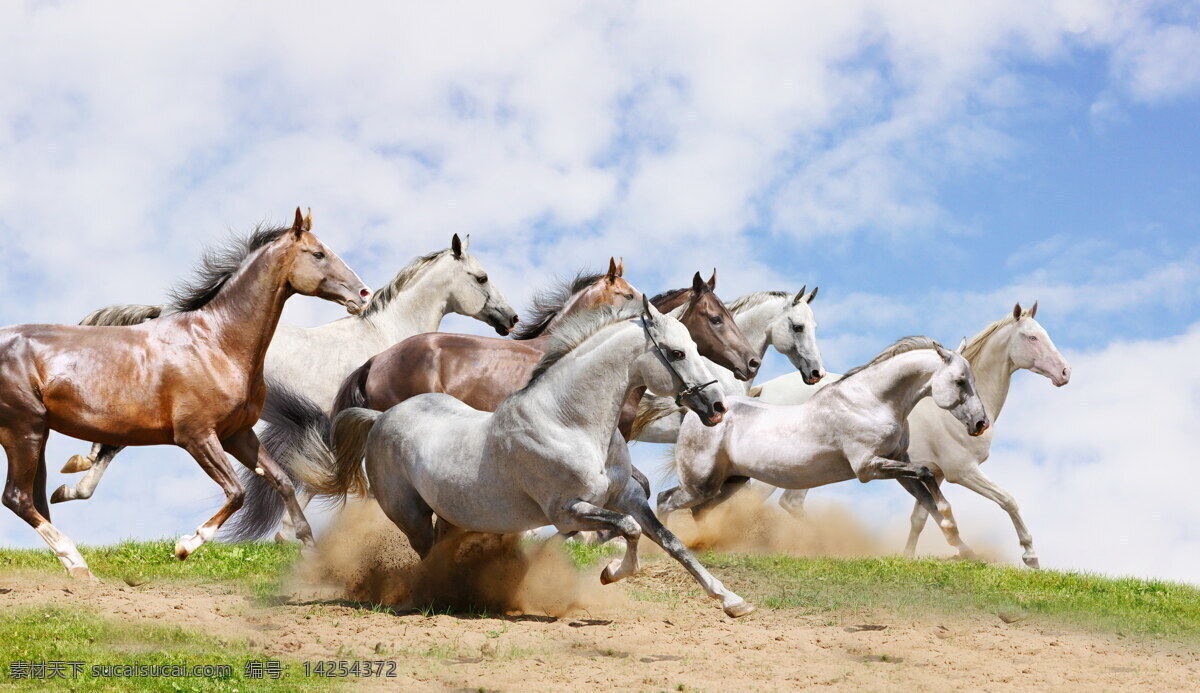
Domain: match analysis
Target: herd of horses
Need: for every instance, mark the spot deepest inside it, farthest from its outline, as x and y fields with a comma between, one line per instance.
x=454, y=432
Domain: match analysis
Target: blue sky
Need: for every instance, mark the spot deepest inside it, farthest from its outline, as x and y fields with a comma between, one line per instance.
x=926, y=164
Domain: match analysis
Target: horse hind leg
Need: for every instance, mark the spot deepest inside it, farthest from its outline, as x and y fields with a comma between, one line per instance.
x=79, y=463
x=25, y=495
x=728, y=490
x=97, y=463
x=287, y=532
x=792, y=500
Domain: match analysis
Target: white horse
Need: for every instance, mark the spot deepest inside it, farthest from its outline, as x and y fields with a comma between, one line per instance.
x=855, y=429
x=416, y=300
x=767, y=318
x=551, y=452
x=1010, y=344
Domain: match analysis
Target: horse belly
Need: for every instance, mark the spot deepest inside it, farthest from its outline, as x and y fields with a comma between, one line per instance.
x=112, y=401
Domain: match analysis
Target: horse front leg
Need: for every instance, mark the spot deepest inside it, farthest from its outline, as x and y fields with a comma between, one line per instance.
x=578, y=515
x=634, y=502
x=977, y=481
x=246, y=447
x=287, y=531
x=209, y=454
x=923, y=485
x=95, y=464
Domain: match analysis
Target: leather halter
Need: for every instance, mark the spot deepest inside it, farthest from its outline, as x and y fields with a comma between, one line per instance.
x=690, y=389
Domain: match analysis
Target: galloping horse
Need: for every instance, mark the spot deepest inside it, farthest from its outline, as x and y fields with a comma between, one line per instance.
x=767, y=318
x=855, y=428
x=550, y=454
x=1012, y=343
x=416, y=300
x=480, y=371
x=192, y=378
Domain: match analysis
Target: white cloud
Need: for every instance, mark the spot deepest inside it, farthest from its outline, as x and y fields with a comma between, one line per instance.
x=675, y=134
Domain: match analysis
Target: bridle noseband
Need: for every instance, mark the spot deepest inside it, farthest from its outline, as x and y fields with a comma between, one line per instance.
x=690, y=389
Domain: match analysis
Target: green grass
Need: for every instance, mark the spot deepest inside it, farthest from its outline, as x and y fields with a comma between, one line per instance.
x=56, y=634
x=1129, y=606
x=257, y=567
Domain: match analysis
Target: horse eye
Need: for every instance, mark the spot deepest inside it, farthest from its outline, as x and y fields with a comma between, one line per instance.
x=716, y=320
x=482, y=279
x=797, y=328
x=319, y=255
x=677, y=354
x=1033, y=337
x=629, y=297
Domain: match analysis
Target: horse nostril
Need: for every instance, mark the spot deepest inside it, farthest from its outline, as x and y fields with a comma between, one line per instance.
x=978, y=426
x=719, y=407
x=515, y=320
x=816, y=373
x=364, y=293
x=754, y=364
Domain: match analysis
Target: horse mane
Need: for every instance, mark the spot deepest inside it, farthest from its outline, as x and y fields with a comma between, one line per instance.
x=402, y=279
x=975, y=347
x=901, y=346
x=669, y=295
x=217, y=265
x=744, y=303
x=577, y=328
x=548, y=303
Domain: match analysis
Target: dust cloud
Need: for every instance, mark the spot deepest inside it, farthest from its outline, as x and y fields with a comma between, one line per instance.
x=363, y=557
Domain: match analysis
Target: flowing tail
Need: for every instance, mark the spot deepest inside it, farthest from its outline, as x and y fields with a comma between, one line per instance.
x=297, y=438
x=353, y=391
x=668, y=469
x=122, y=315
x=350, y=431
x=651, y=409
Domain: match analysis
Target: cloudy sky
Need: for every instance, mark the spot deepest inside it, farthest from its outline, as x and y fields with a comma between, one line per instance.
x=927, y=164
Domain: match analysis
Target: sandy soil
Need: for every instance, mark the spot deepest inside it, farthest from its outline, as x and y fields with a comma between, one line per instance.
x=636, y=645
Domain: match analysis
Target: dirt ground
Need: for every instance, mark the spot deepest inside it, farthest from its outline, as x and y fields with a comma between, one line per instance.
x=639, y=645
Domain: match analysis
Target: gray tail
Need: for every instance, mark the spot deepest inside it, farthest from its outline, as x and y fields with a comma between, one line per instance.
x=353, y=391
x=122, y=316
x=668, y=469
x=296, y=437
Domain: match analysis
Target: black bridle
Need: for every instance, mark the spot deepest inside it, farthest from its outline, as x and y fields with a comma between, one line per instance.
x=685, y=392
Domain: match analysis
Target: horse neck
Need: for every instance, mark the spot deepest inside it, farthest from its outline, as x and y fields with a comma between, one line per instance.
x=248, y=307
x=755, y=323
x=589, y=385
x=905, y=379
x=418, y=307
x=993, y=372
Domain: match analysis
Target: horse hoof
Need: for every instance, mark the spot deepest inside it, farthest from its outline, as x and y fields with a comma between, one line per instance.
x=81, y=572
x=739, y=609
x=1032, y=562
x=281, y=538
x=606, y=576
x=77, y=463
x=62, y=493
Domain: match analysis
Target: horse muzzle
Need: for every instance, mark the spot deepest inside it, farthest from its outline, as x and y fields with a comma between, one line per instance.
x=979, y=428
x=354, y=306
x=503, y=323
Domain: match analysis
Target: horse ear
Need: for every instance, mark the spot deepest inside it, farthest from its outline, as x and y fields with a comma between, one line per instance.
x=1017, y=312
x=962, y=345
x=944, y=353
x=612, y=270
x=298, y=225
x=647, y=315
x=1033, y=311
x=813, y=294
x=457, y=246
x=621, y=267
x=697, y=283
x=712, y=281
x=800, y=295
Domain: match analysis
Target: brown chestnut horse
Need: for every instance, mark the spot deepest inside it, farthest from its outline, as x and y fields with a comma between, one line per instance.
x=192, y=379
x=481, y=372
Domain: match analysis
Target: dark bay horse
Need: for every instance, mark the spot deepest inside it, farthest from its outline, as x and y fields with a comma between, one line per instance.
x=192, y=379
x=479, y=371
